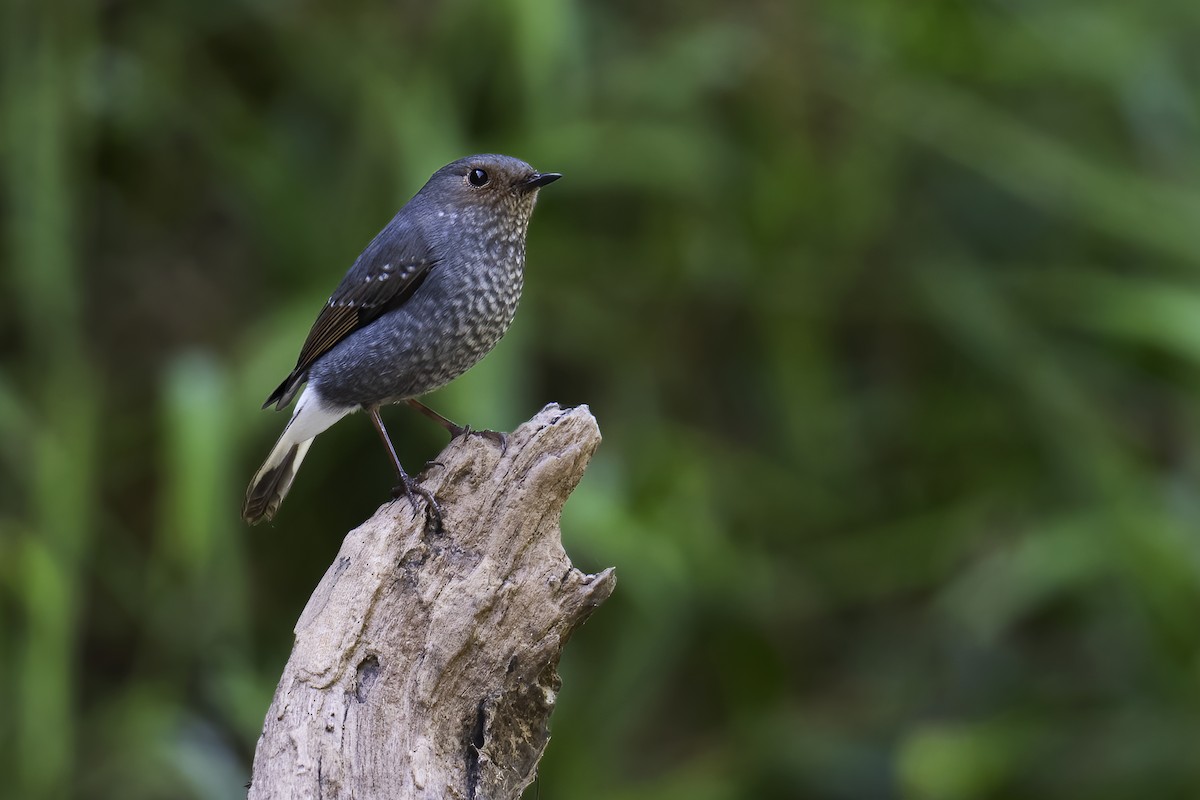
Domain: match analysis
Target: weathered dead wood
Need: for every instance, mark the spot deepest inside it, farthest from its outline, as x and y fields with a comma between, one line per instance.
x=425, y=663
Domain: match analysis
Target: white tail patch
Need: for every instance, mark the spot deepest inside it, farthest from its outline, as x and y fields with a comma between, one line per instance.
x=274, y=478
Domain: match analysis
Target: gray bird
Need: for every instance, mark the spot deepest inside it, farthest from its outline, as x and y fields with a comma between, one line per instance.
x=433, y=292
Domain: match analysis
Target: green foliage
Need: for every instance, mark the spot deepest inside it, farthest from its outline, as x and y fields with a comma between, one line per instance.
x=890, y=314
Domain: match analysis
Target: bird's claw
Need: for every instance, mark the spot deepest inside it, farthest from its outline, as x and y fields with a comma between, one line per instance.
x=499, y=437
x=410, y=488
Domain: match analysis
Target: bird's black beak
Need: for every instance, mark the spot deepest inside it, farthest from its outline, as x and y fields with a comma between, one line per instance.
x=539, y=180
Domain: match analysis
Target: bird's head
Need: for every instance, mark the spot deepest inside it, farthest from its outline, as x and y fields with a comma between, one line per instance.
x=491, y=184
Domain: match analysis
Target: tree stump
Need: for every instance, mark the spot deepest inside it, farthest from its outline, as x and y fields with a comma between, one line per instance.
x=425, y=663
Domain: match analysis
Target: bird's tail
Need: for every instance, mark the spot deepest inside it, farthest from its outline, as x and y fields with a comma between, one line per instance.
x=274, y=478
x=272, y=481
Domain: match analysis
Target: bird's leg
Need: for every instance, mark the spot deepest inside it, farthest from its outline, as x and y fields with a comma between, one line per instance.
x=408, y=486
x=457, y=430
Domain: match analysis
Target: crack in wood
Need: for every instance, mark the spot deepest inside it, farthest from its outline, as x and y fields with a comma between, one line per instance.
x=475, y=749
x=365, y=677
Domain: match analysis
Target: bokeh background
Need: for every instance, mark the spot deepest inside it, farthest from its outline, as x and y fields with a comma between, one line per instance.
x=889, y=312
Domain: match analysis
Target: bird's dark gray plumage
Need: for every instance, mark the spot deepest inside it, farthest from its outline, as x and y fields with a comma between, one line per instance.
x=431, y=294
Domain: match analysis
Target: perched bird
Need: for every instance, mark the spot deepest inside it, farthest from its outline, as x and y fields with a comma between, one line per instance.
x=433, y=292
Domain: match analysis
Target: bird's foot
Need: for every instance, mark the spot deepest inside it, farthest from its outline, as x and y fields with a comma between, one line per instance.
x=499, y=437
x=410, y=488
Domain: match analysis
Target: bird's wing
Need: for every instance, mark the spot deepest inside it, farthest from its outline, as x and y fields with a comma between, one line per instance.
x=386, y=274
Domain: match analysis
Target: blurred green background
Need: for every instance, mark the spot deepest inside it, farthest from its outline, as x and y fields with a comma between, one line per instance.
x=889, y=312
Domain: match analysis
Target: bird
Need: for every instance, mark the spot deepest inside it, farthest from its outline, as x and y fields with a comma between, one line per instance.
x=429, y=297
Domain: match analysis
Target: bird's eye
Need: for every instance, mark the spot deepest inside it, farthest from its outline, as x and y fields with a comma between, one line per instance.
x=478, y=178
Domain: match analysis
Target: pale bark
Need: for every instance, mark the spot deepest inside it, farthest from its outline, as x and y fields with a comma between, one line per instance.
x=425, y=663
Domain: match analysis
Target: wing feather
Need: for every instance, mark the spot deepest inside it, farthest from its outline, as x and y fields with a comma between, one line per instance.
x=383, y=277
